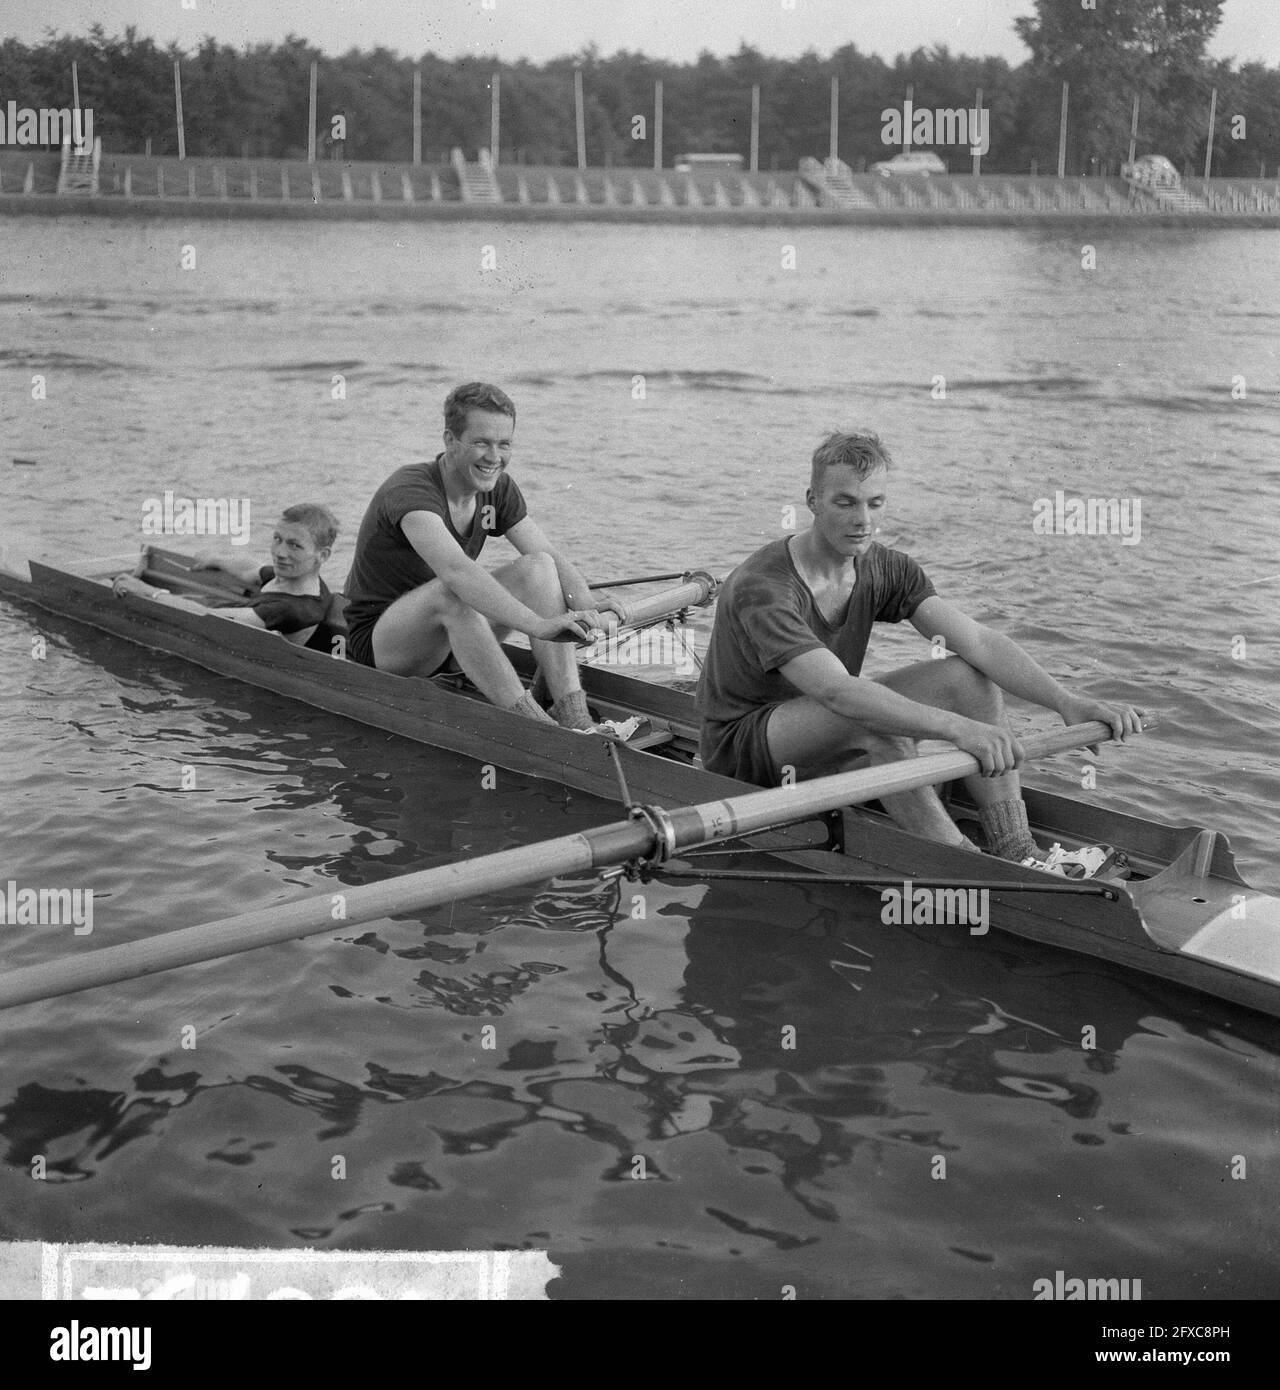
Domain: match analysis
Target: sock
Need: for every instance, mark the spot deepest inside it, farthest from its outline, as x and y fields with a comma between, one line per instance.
x=1008, y=834
x=570, y=711
x=530, y=708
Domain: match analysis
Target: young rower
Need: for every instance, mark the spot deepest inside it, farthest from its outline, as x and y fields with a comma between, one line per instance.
x=417, y=595
x=781, y=687
x=287, y=596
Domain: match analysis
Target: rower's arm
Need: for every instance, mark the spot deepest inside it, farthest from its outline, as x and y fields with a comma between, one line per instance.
x=247, y=616
x=472, y=583
x=139, y=588
x=246, y=571
x=1002, y=660
x=991, y=652
x=822, y=675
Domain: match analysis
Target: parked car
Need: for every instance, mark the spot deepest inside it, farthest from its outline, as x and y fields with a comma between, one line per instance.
x=693, y=163
x=1153, y=171
x=922, y=162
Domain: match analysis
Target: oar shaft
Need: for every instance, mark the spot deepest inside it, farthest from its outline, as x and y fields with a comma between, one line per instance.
x=619, y=843
x=326, y=912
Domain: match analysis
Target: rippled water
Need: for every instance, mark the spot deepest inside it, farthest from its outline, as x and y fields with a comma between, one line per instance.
x=662, y=1037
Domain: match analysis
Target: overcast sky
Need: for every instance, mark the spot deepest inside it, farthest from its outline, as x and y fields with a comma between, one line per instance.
x=540, y=29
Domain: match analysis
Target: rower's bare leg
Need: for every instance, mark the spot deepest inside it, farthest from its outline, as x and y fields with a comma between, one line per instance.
x=534, y=580
x=416, y=633
x=808, y=737
x=953, y=684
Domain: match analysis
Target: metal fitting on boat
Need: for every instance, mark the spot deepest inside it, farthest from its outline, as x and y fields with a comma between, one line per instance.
x=664, y=836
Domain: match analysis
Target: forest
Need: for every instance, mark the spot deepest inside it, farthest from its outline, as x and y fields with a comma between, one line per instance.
x=253, y=101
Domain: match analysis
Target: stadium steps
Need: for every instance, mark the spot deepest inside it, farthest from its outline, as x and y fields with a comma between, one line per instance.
x=477, y=182
x=78, y=175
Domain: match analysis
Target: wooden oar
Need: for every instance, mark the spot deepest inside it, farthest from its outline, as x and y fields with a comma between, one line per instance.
x=698, y=590
x=639, y=838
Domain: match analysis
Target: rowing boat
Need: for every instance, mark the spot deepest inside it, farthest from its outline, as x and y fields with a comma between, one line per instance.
x=1186, y=915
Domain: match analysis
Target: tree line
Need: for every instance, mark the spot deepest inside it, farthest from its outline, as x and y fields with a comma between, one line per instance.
x=254, y=101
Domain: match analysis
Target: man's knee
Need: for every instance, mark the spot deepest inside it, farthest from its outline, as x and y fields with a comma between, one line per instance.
x=888, y=748
x=537, y=568
x=535, y=580
x=976, y=689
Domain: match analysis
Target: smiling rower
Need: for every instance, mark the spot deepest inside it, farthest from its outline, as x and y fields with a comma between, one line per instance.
x=416, y=594
x=781, y=687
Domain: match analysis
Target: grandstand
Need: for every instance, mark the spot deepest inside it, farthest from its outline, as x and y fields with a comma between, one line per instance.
x=471, y=187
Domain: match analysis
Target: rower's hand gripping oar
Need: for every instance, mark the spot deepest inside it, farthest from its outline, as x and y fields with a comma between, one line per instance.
x=696, y=591
x=574, y=630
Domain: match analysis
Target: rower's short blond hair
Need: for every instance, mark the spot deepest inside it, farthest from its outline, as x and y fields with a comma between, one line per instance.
x=864, y=453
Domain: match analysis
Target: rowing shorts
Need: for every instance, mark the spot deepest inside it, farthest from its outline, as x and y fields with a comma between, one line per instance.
x=741, y=748
x=360, y=644
x=360, y=649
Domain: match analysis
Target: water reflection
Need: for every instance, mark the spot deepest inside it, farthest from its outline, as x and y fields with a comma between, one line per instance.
x=775, y=1062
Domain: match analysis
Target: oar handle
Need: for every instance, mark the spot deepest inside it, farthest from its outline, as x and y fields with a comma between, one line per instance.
x=1074, y=736
x=698, y=590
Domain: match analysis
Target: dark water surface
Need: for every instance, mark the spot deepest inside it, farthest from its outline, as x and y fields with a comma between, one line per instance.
x=616, y=1037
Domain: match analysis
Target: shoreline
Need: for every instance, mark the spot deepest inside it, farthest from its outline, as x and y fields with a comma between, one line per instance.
x=362, y=210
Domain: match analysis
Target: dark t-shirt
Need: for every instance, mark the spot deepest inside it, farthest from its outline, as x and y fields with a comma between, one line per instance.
x=766, y=617
x=281, y=612
x=386, y=565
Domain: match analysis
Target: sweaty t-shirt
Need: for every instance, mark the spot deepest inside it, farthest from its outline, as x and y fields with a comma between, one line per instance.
x=767, y=617
x=386, y=565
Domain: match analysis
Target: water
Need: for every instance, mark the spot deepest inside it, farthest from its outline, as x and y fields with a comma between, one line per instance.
x=671, y=383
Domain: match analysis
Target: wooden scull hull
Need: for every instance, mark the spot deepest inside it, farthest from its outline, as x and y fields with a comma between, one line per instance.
x=1187, y=916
